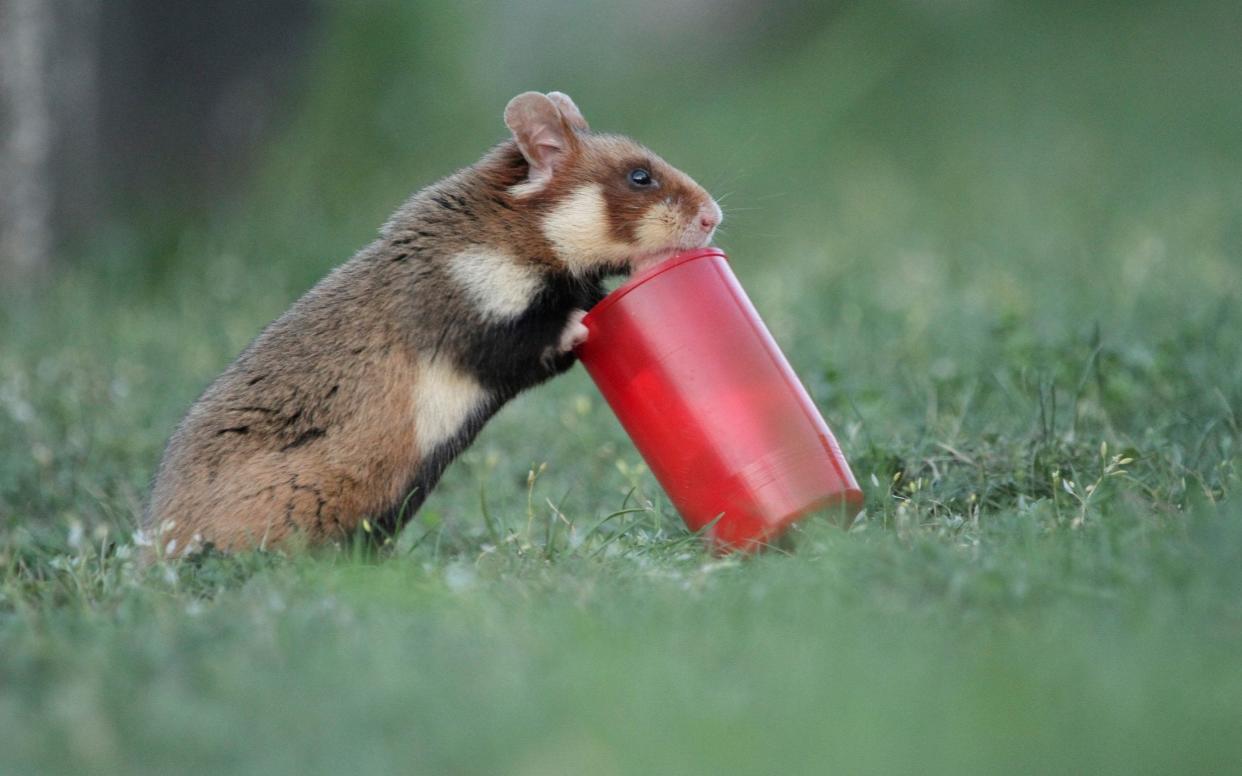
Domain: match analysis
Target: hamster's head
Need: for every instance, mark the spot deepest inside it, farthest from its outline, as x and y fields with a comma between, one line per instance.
x=603, y=202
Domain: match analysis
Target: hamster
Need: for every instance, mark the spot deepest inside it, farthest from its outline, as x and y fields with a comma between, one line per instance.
x=350, y=406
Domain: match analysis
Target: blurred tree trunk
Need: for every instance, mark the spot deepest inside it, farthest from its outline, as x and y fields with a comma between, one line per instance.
x=111, y=107
x=48, y=128
x=25, y=177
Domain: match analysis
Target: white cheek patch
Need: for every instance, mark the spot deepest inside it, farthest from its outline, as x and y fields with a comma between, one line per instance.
x=500, y=287
x=660, y=227
x=578, y=229
x=444, y=399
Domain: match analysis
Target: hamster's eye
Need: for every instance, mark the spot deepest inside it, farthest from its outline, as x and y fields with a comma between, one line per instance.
x=641, y=178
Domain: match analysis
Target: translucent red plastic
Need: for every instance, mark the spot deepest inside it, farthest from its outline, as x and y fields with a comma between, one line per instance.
x=687, y=365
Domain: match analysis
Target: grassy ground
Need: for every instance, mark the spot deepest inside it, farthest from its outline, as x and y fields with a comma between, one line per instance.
x=1001, y=248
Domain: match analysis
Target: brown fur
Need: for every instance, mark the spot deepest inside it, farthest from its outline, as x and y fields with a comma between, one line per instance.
x=316, y=425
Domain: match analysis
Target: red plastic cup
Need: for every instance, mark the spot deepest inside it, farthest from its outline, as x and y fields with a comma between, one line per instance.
x=709, y=400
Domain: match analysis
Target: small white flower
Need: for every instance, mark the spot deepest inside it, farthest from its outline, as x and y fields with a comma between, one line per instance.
x=76, y=534
x=459, y=577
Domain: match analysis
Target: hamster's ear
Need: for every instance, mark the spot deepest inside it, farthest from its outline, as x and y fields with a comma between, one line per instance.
x=569, y=110
x=542, y=133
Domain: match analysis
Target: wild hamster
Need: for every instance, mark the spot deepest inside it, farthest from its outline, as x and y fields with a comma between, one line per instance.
x=351, y=404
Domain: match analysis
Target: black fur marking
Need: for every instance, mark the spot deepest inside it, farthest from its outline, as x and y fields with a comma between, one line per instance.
x=256, y=380
x=264, y=410
x=449, y=325
x=320, y=502
x=510, y=357
x=306, y=437
x=401, y=257
x=506, y=358
x=432, y=467
x=259, y=492
x=234, y=430
x=332, y=391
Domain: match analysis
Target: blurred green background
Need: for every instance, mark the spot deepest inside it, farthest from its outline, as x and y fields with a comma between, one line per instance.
x=1001, y=243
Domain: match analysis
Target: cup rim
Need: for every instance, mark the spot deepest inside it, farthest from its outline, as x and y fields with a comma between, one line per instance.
x=649, y=273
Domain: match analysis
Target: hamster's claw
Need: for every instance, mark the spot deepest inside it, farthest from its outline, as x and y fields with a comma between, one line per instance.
x=574, y=333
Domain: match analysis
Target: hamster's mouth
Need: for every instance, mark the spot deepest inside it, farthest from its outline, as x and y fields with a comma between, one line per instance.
x=689, y=241
x=648, y=260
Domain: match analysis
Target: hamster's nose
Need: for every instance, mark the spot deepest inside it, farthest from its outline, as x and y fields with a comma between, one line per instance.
x=709, y=216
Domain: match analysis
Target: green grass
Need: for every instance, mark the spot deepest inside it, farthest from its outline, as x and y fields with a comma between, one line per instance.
x=1002, y=249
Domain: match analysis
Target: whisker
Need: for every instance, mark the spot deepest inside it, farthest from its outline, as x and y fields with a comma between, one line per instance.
x=773, y=195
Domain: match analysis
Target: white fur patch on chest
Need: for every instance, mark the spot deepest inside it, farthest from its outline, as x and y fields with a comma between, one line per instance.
x=499, y=285
x=445, y=397
x=577, y=227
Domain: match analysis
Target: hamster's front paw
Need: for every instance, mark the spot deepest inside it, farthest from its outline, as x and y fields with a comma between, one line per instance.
x=574, y=333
